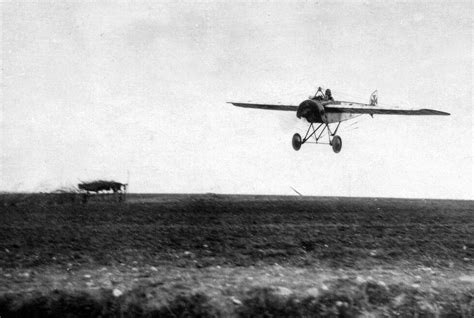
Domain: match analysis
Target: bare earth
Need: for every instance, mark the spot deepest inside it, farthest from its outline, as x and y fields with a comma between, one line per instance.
x=218, y=255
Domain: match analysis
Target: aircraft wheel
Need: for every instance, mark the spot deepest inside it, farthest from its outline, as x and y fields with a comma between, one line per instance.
x=296, y=142
x=336, y=144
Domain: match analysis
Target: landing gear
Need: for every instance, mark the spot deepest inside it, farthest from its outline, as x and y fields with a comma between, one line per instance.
x=336, y=144
x=334, y=141
x=296, y=142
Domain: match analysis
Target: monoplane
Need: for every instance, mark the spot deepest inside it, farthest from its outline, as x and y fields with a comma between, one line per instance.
x=321, y=110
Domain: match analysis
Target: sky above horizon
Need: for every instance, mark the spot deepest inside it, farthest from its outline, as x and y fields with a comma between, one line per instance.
x=137, y=92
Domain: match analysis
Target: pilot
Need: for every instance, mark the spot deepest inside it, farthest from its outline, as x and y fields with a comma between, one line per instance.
x=329, y=95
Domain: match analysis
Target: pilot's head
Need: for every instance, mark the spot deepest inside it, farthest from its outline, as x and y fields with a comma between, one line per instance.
x=328, y=93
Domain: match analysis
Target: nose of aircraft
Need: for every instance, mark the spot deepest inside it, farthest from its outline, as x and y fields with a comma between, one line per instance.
x=312, y=110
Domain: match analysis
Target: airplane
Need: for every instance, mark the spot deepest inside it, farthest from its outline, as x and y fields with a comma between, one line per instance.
x=322, y=109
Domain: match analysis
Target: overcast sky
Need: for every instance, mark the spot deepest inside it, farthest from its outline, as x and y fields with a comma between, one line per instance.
x=96, y=90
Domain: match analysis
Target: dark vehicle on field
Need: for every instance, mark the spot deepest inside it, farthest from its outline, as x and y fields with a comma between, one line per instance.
x=102, y=186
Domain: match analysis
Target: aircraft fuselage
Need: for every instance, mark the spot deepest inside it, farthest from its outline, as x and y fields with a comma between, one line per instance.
x=314, y=111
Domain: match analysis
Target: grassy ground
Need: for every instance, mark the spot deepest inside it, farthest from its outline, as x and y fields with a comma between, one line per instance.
x=178, y=255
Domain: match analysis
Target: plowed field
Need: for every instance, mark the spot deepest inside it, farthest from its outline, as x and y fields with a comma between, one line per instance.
x=154, y=249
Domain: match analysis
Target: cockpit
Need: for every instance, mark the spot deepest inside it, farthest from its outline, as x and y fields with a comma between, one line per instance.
x=323, y=96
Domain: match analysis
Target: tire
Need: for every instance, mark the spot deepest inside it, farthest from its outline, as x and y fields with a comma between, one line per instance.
x=296, y=142
x=336, y=144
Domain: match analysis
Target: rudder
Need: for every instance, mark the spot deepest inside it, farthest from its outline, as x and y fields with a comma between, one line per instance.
x=374, y=99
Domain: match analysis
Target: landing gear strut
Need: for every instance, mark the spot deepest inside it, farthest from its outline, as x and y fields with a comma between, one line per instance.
x=334, y=141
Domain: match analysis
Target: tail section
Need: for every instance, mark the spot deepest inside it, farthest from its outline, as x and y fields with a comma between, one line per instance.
x=374, y=99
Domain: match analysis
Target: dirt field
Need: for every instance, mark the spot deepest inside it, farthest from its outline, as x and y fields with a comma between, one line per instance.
x=213, y=255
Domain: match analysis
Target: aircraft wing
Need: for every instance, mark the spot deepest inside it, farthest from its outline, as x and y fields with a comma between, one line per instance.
x=382, y=111
x=266, y=106
x=334, y=108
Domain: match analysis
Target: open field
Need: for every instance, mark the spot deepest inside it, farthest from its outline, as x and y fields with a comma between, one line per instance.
x=219, y=255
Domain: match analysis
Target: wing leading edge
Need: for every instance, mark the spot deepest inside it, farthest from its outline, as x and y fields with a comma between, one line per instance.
x=334, y=108
x=266, y=106
x=383, y=111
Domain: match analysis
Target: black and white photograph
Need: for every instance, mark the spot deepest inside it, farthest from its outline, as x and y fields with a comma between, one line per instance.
x=236, y=158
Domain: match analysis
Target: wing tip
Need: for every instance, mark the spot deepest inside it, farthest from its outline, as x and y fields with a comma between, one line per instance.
x=437, y=112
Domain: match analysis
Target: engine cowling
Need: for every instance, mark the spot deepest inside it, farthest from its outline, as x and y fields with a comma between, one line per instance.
x=312, y=111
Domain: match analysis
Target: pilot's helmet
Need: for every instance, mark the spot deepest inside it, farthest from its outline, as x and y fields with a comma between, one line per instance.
x=328, y=93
